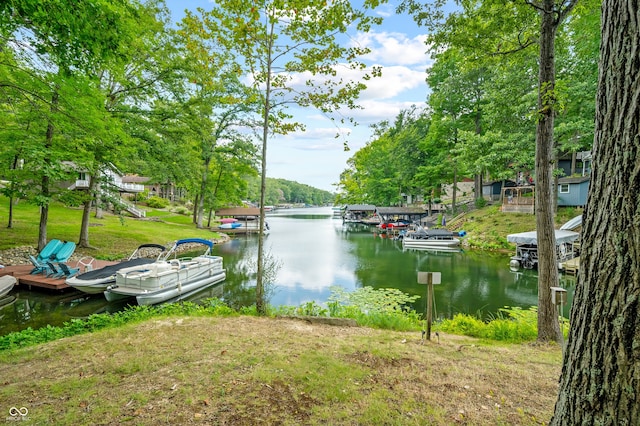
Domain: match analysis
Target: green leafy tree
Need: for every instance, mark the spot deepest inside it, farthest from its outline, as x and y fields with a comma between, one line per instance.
x=276, y=40
x=59, y=43
x=220, y=105
x=127, y=81
x=482, y=28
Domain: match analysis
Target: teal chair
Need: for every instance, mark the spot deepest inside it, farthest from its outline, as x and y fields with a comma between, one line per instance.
x=59, y=270
x=47, y=254
x=64, y=252
x=57, y=267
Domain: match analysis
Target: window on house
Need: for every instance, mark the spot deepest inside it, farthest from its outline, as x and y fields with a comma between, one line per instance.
x=564, y=188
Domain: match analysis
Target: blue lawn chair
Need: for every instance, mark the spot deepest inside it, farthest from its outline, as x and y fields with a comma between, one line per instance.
x=38, y=266
x=57, y=268
x=48, y=266
x=48, y=253
x=53, y=271
x=67, y=271
x=65, y=252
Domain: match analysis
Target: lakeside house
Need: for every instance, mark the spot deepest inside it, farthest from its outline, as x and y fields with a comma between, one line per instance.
x=573, y=191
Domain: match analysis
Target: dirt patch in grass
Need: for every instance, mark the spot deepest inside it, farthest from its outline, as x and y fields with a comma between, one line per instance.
x=247, y=370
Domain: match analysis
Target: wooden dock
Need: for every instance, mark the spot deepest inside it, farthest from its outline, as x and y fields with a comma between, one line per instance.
x=23, y=275
x=571, y=266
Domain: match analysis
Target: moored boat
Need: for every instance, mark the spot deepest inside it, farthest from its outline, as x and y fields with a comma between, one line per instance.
x=430, y=238
x=168, y=278
x=6, y=284
x=97, y=280
x=527, y=248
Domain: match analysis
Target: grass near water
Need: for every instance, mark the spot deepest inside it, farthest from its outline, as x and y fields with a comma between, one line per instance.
x=172, y=368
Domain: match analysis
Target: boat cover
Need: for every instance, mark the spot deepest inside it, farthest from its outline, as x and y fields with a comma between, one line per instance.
x=439, y=233
x=7, y=281
x=572, y=223
x=110, y=270
x=531, y=237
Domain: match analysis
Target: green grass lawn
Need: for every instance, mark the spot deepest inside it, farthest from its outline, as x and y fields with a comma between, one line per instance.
x=112, y=237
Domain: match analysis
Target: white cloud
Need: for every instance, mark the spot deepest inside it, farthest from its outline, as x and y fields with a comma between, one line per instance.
x=397, y=81
x=394, y=48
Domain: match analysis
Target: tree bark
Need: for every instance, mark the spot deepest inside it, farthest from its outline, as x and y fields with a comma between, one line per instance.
x=203, y=188
x=261, y=303
x=548, y=326
x=600, y=381
x=83, y=241
x=44, y=181
x=99, y=212
x=12, y=192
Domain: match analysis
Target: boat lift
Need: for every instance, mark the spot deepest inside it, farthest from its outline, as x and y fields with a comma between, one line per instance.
x=527, y=248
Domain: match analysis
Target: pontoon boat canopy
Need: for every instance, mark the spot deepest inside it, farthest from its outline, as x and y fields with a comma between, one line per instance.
x=572, y=223
x=531, y=237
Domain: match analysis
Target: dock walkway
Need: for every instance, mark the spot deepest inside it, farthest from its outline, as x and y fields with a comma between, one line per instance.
x=571, y=266
x=25, y=278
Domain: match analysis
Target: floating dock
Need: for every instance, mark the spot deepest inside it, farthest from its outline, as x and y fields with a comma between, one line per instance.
x=571, y=266
x=23, y=275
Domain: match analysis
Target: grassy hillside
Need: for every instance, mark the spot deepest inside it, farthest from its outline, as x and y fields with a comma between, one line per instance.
x=487, y=228
x=113, y=237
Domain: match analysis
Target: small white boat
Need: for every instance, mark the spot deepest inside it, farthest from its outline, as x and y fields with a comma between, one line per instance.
x=97, y=280
x=430, y=238
x=6, y=284
x=168, y=278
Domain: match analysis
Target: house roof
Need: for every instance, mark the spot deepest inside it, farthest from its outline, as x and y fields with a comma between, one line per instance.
x=578, y=179
x=508, y=182
x=401, y=210
x=239, y=211
x=135, y=179
x=360, y=207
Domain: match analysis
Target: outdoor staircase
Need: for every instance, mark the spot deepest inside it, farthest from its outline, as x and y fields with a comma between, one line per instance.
x=136, y=212
x=123, y=205
x=457, y=222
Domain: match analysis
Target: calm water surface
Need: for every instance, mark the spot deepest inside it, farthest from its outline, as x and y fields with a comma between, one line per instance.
x=314, y=251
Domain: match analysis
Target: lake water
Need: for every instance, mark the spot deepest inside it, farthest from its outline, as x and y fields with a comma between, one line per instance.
x=314, y=252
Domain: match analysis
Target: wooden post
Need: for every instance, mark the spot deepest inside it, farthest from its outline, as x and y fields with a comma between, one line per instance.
x=429, y=278
x=429, y=304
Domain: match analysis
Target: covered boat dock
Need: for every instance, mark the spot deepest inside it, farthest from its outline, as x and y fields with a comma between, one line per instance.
x=527, y=248
x=412, y=214
x=358, y=213
x=249, y=217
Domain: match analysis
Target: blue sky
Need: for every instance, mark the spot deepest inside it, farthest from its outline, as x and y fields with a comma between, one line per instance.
x=315, y=157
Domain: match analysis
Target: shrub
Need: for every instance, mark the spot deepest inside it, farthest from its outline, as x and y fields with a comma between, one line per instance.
x=182, y=210
x=512, y=325
x=156, y=202
x=480, y=202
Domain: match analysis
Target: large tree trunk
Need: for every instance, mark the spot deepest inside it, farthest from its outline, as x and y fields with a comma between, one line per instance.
x=548, y=326
x=554, y=183
x=203, y=189
x=44, y=182
x=600, y=381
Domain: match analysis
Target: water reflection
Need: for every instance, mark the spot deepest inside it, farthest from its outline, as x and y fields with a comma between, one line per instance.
x=315, y=252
